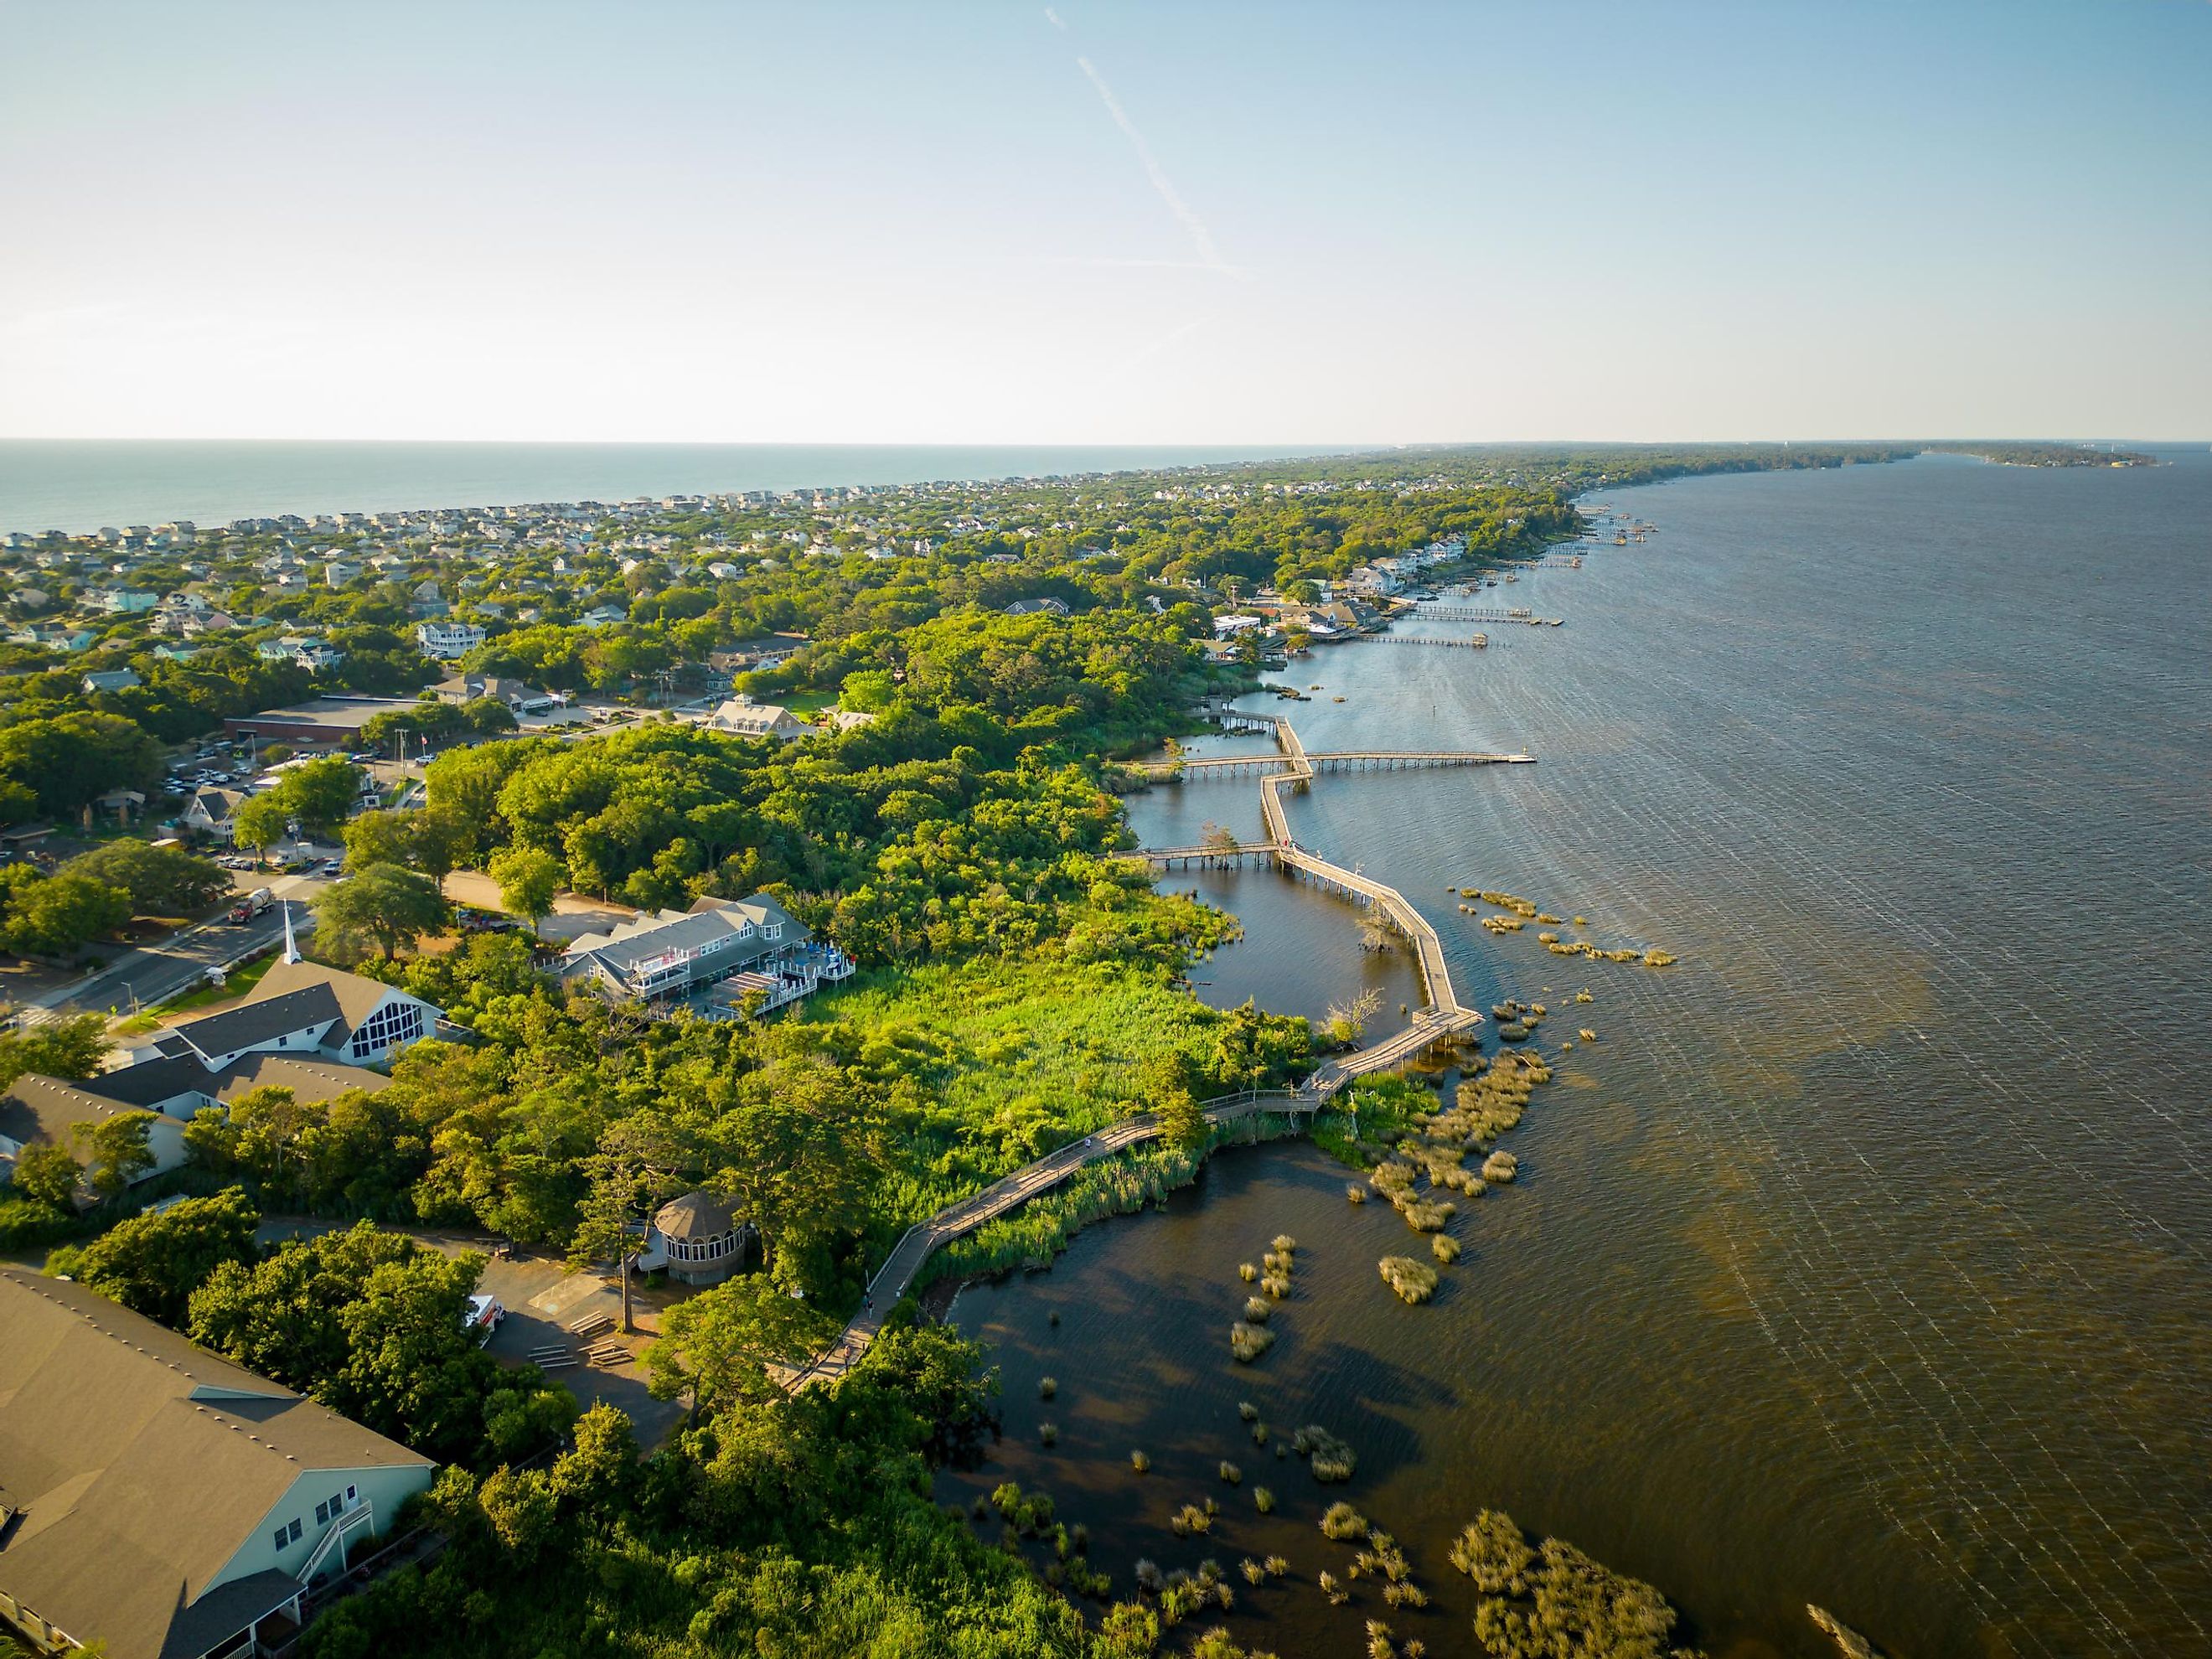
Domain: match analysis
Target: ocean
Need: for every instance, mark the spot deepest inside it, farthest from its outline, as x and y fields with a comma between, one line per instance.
x=77, y=485
x=1865, y=1259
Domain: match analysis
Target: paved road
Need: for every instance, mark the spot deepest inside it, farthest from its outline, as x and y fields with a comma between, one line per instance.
x=895, y=1277
x=178, y=962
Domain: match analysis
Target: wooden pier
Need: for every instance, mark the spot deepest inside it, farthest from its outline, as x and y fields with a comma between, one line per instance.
x=1475, y=613
x=1352, y=760
x=1476, y=644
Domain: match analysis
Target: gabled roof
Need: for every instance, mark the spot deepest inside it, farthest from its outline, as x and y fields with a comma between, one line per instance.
x=142, y=1464
x=292, y=996
x=708, y=919
x=38, y=1110
x=311, y=1081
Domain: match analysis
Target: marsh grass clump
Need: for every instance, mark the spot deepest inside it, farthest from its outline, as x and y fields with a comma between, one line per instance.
x=1584, y=995
x=1248, y=1411
x=1258, y=1434
x=1048, y=1387
x=1356, y=1192
x=1230, y=1474
x=1513, y=1031
x=1253, y=1571
x=1342, y=1522
x=1052, y=1318
x=1248, y=1342
x=1139, y=1462
x=1413, y=1281
x=1445, y=1247
x=1379, y=1646
x=1277, y=1566
x=1258, y=1309
x=1337, y=1595
x=1285, y=1244
x=1655, y=958
x=1246, y=1272
x=1277, y=1262
x=1149, y=1577
x=1277, y=1285
x=1500, y=1167
x=1554, y=1599
x=1048, y=1433
x=1425, y=1215
x=1190, y=1519
x=1263, y=1499
x=1330, y=1459
x=1587, y=1035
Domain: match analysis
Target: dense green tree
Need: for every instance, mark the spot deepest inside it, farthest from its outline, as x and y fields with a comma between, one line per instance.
x=260, y=821
x=116, y=1150
x=73, y=1048
x=383, y=908
x=160, y=881
x=528, y=880
x=47, y=1173
x=152, y=1263
x=56, y=915
x=716, y=1347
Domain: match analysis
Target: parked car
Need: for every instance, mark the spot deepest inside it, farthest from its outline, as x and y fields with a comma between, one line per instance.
x=331, y=867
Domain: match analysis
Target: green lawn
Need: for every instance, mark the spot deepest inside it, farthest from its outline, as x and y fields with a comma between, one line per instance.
x=239, y=982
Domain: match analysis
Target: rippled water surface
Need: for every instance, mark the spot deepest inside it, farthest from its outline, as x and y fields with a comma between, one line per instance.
x=1864, y=1259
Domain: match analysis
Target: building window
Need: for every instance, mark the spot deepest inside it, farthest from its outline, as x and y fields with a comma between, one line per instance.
x=295, y=1529
x=389, y=1026
x=282, y=1538
x=351, y=1493
x=322, y=1513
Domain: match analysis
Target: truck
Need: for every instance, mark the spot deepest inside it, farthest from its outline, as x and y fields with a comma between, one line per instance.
x=258, y=903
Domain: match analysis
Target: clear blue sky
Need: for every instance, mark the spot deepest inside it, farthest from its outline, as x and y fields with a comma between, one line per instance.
x=971, y=222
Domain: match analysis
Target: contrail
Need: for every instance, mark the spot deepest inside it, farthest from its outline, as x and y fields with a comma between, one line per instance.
x=1053, y=18
x=1202, y=239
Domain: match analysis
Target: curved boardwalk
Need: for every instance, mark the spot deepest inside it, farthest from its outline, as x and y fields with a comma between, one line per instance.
x=1443, y=1018
x=897, y=1276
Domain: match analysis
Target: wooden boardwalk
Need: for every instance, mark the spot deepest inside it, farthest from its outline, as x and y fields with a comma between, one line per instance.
x=1349, y=760
x=895, y=1277
x=1442, y=1019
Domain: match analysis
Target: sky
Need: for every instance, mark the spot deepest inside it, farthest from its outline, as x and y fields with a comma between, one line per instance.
x=982, y=222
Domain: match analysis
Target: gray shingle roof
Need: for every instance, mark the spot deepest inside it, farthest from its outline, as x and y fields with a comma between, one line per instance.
x=143, y=1464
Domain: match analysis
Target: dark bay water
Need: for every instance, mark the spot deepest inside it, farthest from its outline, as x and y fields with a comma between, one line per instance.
x=1864, y=1259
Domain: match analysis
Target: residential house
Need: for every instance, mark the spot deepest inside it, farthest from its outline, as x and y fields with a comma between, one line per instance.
x=1046, y=607
x=307, y=650
x=338, y=573
x=54, y=636
x=429, y=600
x=36, y=1110
x=756, y=719
x=109, y=680
x=211, y=812
x=161, y=1501
x=121, y=602
x=448, y=641
x=719, y=956
x=519, y=698
x=603, y=616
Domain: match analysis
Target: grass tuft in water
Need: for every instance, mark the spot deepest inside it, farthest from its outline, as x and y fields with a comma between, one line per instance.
x=1413, y=1281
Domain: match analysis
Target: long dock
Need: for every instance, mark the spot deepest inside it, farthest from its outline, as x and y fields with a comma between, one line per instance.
x=1470, y=613
x=1349, y=760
